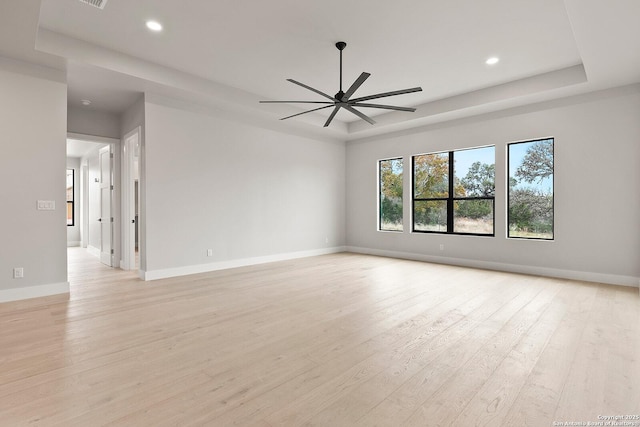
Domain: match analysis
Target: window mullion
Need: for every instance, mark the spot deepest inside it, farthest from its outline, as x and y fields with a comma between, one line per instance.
x=413, y=193
x=451, y=195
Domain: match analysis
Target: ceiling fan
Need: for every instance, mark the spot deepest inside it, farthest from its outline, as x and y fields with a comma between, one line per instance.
x=343, y=99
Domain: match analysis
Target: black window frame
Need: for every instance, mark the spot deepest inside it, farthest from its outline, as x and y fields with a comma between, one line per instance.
x=450, y=199
x=73, y=197
x=553, y=189
x=380, y=194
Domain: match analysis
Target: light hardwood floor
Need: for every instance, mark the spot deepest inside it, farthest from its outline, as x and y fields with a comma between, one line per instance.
x=337, y=340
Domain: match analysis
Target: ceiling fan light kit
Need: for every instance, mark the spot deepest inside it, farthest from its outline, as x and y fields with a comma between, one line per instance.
x=343, y=99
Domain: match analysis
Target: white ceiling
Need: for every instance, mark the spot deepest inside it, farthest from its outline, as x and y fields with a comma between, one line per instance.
x=229, y=54
x=79, y=149
x=256, y=45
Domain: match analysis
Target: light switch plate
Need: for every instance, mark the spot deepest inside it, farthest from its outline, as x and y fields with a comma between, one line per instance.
x=46, y=205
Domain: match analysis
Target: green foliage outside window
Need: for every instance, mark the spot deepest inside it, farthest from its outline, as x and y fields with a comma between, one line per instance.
x=391, y=195
x=454, y=192
x=531, y=189
x=469, y=209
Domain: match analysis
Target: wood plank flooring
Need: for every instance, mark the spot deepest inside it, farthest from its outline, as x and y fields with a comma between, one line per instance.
x=336, y=340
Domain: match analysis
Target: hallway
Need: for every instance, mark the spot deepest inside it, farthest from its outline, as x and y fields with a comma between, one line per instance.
x=87, y=275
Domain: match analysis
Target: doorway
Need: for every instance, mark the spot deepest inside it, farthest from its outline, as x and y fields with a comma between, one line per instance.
x=95, y=217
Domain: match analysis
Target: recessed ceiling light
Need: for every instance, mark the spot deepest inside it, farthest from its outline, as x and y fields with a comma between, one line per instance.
x=154, y=26
x=85, y=102
x=492, y=61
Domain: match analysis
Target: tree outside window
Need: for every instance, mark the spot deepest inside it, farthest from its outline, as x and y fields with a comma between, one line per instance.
x=390, y=195
x=530, y=204
x=454, y=192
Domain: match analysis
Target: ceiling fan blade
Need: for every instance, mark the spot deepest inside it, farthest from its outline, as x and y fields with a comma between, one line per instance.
x=355, y=86
x=386, y=107
x=382, y=95
x=359, y=114
x=308, y=111
x=312, y=89
x=333, y=114
x=296, y=102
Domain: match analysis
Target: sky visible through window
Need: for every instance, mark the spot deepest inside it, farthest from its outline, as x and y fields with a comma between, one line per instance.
x=517, y=152
x=465, y=158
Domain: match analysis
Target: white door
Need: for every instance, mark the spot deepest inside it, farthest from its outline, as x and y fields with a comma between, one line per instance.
x=106, y=221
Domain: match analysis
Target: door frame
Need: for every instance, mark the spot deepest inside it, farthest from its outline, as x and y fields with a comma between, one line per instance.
x=129, y=150
x=115, y=194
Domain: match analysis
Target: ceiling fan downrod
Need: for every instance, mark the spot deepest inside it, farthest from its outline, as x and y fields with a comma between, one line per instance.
x=340, y=46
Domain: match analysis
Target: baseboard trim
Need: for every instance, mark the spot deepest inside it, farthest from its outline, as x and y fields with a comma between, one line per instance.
x=612, y=279
x=243, y=262
x=72, y=244
x=27, y=292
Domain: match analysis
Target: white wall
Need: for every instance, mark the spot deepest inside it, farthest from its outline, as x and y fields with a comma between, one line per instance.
x=73, y=232
x=32, y=167
x=597, y=182
x=248, y=193
x=95, y=123
x=132, y=117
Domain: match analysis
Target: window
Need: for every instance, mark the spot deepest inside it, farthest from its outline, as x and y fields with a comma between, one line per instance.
x=454, y=192
x=70, y=207
x=390, y=194
x=530, y=197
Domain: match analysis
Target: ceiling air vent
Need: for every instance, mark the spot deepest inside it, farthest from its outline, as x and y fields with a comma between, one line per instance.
x=100, y=4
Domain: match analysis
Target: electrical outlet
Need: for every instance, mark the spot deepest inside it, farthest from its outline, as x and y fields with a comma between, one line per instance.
x=209, y=252
x=441, y=246
x=18, y=273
